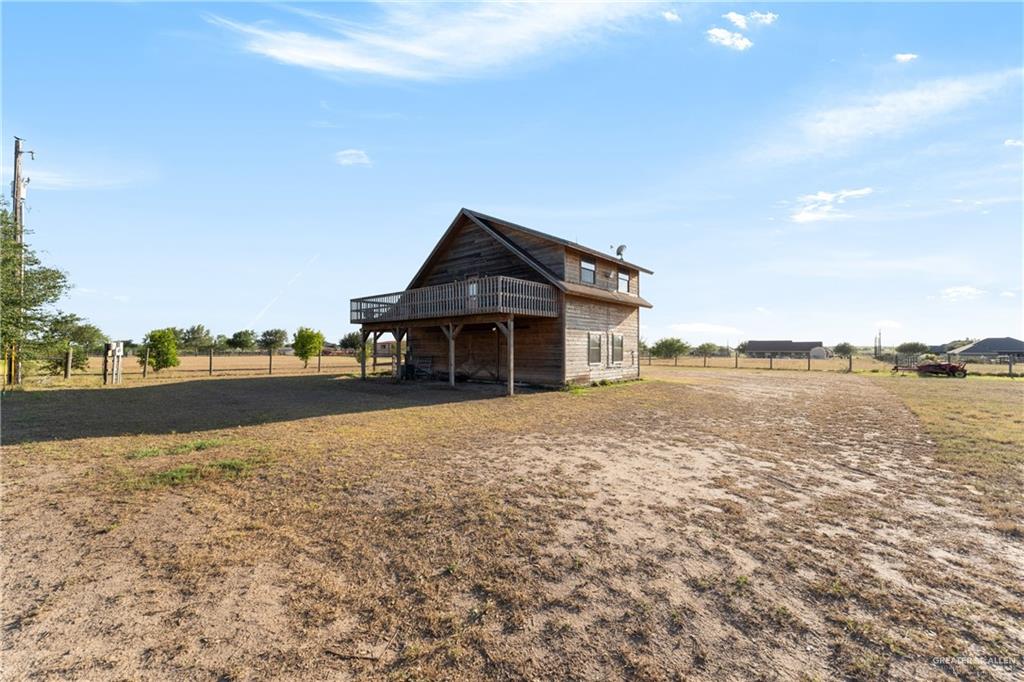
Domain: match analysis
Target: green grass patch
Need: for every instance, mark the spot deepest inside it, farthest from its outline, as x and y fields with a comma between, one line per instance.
x=179, y=449
x=184, y=474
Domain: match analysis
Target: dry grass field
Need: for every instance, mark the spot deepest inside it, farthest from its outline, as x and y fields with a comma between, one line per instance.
x=700, y=524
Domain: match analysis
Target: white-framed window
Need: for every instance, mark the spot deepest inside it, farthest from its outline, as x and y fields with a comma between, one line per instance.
x=594, y=348
x=623, y=281
x=617, y=345
x=588, y=272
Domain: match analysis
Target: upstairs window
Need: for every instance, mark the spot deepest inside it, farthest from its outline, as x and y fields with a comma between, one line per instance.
x=617, y=347
x=623, y=282
x=594, y=348
x=588, y=272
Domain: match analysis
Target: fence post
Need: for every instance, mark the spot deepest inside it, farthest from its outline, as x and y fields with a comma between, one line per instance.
x=771, y=361
x=675, y=360
x=211, y=361
x=649, y=356
x=808, y=362
x=736, y=365
x=145, y=365
x=319, y=359
x=270, y=355
x=71, y=354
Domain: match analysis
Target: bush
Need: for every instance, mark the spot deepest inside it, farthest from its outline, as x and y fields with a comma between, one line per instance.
x=163, y=349
x=307, y=343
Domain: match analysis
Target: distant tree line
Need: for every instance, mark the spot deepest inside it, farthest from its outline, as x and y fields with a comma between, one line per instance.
x=672, y=348
x=163, y=345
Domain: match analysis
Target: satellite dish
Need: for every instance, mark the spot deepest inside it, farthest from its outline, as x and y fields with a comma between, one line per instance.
x=620, y=249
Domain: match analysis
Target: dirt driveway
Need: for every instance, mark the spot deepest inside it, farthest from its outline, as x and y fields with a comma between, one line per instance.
x=714, y=525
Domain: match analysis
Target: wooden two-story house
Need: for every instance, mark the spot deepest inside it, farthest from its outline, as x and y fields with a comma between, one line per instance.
x=501, y=302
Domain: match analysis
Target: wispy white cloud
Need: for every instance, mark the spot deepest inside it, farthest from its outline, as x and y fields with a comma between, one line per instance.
x=763, y=18
x=703, y=328
x=764, y=311
x=413, y=41
x=838, y=129
x=671, y=15
x=888, y=324
x=46, y=180
x=730, y=39
x=1013, y=143
x=904, y=57
x=738, y=20
x=824, y=205
x=743, y=21
x=1008, y=294
x=961, y=293
x=352, y=157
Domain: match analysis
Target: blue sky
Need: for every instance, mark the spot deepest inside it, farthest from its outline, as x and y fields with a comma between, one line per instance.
x=787, y=170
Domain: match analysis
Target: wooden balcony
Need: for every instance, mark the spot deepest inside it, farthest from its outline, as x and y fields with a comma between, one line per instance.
x=481, y=296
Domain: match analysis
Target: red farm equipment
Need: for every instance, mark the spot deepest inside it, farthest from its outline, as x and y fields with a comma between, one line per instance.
x=935, y=369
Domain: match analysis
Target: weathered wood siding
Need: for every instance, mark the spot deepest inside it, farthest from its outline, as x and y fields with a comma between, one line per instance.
x=482, y=353
x=472, y=252
x=583, y=316
x=604, y=268
x=549, y=254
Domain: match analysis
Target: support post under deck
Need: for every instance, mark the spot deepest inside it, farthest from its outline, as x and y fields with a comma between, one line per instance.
x=509, y=330
x=362, y=354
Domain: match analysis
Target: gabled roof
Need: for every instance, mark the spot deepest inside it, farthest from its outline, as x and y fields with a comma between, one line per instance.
x=782, y=346
x=481, y=221
x=556, y=240
x=991, y=346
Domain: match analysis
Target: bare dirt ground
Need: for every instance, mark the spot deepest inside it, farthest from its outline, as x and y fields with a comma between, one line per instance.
x=711, y=525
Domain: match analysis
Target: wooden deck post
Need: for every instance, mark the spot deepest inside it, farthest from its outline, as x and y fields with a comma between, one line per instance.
x=397, y=333
x=376, y=337
x=451, y=331
x=509, y=330
x=211, y=361
x=362, y=354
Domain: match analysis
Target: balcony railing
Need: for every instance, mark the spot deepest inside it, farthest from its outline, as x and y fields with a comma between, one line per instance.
x=499, y=294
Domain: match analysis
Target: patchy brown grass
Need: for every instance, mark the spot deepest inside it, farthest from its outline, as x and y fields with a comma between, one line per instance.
x=804, y=525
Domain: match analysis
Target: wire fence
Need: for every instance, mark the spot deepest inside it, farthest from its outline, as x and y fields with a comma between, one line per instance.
x=833, y=364
x=215, y=364
x=224, y=364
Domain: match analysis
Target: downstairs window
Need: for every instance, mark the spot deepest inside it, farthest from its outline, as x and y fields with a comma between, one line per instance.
x=594, y=348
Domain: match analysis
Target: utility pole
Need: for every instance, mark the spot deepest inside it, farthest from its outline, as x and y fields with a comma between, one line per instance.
x=13, y=369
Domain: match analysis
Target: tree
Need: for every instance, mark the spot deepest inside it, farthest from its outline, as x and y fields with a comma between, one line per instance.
x=163, y=349
x=24, y=300
x=70, y=331
x=307, y=343
x=351, y=340
x=706, y=349
x=220, y=343
x=272, y=339
x=243, y=340
x=912, y=348
x=845, y=350
x=669, y=348
x=741, y=347
x=197, y=338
